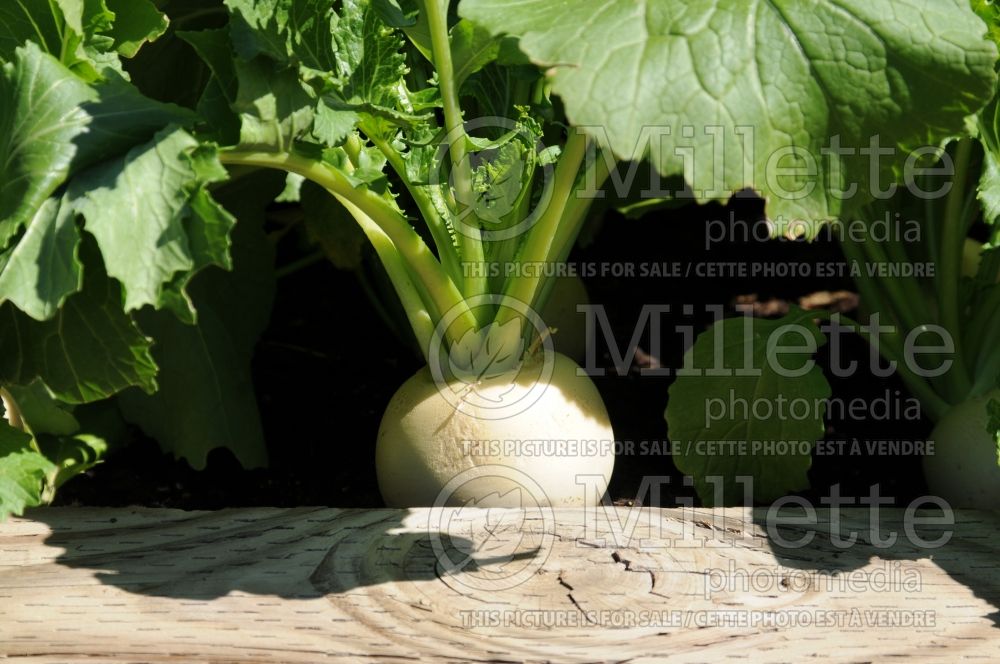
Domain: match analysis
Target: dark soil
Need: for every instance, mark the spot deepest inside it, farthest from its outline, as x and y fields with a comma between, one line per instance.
x=328, y=365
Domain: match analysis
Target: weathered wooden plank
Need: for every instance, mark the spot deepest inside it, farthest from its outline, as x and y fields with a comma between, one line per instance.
x=308, y=585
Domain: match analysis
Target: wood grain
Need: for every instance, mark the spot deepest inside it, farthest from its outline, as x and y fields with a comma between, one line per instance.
x=467, y=585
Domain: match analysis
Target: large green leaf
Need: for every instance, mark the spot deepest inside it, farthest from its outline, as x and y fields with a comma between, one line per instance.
x=281, y=44
x=205, y=368
x=757, y=416
x=168, y=69
x=38, y=20
x=207, y=227
x=41, y=270
x=369, y=56
x=41, y=116
x=41, y=21
x=120, y=118
x=794, y=73
x=214, y=48
x=54, y=125
x=138, y=209
x=371, y=59
x=88, y=351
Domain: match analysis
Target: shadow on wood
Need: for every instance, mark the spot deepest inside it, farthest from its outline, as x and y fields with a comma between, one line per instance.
x=967, y=551
x=485, y=585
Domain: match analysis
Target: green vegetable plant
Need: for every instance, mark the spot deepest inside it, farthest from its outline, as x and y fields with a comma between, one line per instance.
x=142, y=144
x=930, y=306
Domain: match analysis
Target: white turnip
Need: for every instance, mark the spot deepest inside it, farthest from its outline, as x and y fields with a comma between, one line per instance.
x=963, y=469
x=553, y=436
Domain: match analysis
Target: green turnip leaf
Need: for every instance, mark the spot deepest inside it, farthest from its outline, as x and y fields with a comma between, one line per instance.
x=472, y=47
x=206, y=397
x=138, y=208
x=795, y=73
x=42, y=269
x=42, y=98
x=56, y=126
x=72, y=455
x=88, y=351
x=989, y=11
x=307, y=72
x=40, y=412
x=329, y=225
x=743, y=410
x=285, y=30
x=274, y=107
x=136, y=22
x=22, y=471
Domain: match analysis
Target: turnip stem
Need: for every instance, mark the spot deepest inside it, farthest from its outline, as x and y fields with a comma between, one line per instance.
x=577, y=208
x=416, y=313
x=470, y=240
x=442, y=239
x=908, y=309
x=411, y=250
x=952, y=242
x=541, y=245
x=574, y=216
x=932, y=403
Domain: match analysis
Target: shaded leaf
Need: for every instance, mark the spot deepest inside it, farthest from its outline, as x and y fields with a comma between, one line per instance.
x=42, y=268
x=993, y=424
x=121, y=117
x=215, y=49
x=136, y=23
x=205, y=368
x=88, y=351
x=723, y=424
x=72, y=31
x=41, y=412
x=330, y=226
x=73, y=455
